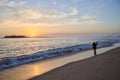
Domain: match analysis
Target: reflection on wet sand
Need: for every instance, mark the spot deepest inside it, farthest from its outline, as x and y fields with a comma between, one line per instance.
x=36, y=70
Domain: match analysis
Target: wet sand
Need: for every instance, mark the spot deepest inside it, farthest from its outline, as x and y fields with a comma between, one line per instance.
x=101, y=67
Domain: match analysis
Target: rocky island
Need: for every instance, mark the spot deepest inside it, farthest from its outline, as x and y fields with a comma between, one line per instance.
x=15, y=36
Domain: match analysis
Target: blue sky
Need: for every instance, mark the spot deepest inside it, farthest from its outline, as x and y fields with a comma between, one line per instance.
x=59, y=16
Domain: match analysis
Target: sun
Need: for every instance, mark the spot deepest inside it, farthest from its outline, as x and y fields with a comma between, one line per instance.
x=33, y=32
x=32, y=35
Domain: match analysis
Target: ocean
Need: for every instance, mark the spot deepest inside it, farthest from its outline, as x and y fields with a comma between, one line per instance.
x=16, y=51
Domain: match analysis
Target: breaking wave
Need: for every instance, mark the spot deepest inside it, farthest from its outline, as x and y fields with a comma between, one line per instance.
x=14, y=61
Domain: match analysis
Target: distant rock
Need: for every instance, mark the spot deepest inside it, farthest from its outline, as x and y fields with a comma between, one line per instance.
x=15, y=36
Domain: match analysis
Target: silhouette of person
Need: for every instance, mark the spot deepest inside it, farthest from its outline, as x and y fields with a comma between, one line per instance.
x=94, y=46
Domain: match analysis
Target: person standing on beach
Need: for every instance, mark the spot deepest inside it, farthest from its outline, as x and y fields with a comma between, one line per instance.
x=94, y=46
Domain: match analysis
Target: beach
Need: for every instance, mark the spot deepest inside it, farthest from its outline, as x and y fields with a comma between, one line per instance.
x=33, y=69
x=105, y=66
x=59, y=39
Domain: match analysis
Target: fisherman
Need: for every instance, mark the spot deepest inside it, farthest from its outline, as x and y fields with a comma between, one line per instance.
x=94, y=46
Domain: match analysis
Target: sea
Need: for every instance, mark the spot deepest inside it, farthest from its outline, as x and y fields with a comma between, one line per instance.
x=17, y=51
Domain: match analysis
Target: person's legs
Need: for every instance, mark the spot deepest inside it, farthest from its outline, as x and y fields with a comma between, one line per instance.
x=95, y=52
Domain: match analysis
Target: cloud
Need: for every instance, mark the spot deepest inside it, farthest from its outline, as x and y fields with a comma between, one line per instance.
x=87, y=16
x=54, y=3
x=28, y=15
x=12, y=4
x=5, y=3
x=33, y=14
x=2, y=2
x=18, y=14
x=90, y=22
x=76, y=0
x=74, y=11
x=63, y=6
x=79, y=22
x=33, y=17
x=19, y=11
x=18, y=23
x=9, y=9
x=23, y=3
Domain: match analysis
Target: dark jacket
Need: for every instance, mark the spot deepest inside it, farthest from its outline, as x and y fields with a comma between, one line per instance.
x=94, y=45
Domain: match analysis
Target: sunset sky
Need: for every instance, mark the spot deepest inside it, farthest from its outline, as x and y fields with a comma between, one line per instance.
x=48, y=17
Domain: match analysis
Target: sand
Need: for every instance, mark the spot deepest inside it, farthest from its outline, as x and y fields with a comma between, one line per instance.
x=101, y=67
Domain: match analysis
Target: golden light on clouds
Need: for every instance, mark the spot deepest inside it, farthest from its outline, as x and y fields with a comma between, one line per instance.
x=18, y=18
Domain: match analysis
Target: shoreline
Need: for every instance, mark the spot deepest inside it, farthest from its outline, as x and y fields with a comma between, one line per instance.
x=102, y=67
x=27, y=71
x=20, y=60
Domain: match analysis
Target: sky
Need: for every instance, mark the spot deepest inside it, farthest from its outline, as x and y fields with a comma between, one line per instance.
x=51, y=17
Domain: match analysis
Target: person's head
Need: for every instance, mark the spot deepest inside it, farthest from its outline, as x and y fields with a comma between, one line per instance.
x=96, y=42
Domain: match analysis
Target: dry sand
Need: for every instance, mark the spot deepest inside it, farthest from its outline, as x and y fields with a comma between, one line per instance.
x=101, y=67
